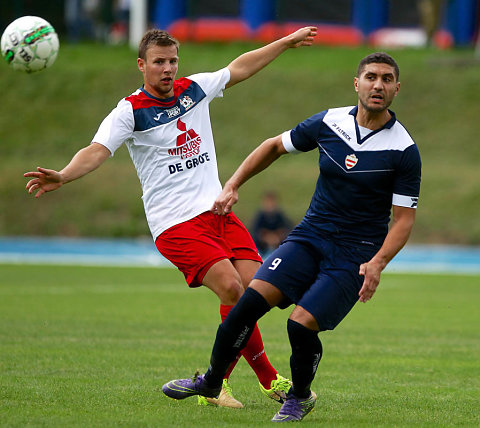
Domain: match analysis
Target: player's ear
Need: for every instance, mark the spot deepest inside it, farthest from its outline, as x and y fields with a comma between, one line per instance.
x=141, y=64
x=355, y=83
x=398, y=88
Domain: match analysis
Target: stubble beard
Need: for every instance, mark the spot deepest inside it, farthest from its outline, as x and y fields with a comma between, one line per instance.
x=164, y=90
x=375, y=109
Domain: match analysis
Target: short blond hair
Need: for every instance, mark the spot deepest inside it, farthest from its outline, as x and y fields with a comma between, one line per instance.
x=155, y=38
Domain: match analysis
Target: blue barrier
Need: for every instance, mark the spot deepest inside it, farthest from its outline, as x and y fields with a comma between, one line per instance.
x=166, y=12
x=369, y=15
x=255, y=12
x=461, y=16
x=142, y=252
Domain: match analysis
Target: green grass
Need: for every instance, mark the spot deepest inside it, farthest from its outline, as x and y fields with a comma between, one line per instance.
x=47, y=117
x=91, y=346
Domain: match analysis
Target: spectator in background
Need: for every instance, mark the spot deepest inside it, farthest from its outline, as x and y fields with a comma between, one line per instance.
x=430, y=11
x=104, y=20
x=79, y=19
x=119, y=29
x=270, y=226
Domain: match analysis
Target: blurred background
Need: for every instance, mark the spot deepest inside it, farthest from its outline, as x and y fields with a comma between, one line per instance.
x=443, y=23
x=48, y=116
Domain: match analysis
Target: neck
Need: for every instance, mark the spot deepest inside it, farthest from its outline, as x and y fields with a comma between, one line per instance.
x=156, y=93
x=372, y=119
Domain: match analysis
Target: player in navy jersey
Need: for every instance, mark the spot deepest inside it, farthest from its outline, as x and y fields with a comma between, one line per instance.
x=166, y=127
x=334, y=257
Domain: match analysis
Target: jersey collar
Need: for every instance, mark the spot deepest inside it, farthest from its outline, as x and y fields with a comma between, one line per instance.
x=388, y=125
x=161, y=100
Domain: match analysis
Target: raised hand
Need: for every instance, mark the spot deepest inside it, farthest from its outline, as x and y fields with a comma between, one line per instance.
x=302, y=37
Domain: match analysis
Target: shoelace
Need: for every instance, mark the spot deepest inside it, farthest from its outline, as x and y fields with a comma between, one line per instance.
x=282, y=384
x=227, y=387
x=195, y=376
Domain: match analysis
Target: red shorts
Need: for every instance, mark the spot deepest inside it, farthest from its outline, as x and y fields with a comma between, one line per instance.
x=195, y=245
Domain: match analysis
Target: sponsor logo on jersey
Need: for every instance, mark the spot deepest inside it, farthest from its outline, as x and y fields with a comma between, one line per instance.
x=172, y=112
x=188, y=142
x=186, y=102
x=341, y=132
x=414, y=202
x=351, y=161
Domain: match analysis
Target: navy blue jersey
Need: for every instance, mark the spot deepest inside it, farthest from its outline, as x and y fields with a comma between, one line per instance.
x=360, y=178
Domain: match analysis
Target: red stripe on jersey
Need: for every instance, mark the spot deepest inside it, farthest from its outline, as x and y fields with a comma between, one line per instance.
x=180, y=85
x=142, y=100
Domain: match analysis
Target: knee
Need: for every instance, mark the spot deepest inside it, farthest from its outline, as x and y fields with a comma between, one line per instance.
x=231, y=291
x=305, y=318
x=249, y=309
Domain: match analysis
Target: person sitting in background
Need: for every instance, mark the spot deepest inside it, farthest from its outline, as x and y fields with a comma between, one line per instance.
x=270, y=226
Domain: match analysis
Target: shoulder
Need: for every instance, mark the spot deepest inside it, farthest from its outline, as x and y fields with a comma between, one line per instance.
x=137, y=100
x=313, y=122
x=332, y=115
x=221, y=76
x=313, y=125
x=339, y=113
x=400, y=138
x=123, y=109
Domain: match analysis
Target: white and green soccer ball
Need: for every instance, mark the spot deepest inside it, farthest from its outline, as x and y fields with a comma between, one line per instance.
x=29, y=44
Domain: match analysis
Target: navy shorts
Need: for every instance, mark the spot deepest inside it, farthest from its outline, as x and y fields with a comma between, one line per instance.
x=319, y=274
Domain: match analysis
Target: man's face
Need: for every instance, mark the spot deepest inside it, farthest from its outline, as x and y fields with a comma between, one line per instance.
x=159, y=70
x=376, y=87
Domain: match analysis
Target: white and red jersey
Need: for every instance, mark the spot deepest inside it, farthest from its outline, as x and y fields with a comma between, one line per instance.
x=171, y=145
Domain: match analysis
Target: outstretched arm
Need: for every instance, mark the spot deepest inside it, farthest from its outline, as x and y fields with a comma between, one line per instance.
x=403, y=219
x=85, y=161
x=264, y=155
x=249, y=63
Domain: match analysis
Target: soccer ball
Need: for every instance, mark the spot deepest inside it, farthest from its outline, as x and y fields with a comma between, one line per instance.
x=29, y=44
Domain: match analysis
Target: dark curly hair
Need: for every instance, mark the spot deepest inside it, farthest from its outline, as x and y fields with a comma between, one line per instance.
x=378, y=58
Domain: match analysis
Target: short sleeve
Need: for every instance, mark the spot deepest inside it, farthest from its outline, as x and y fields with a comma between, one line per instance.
x=212, y=84
x=406, y=188
x=117, y=127
x=305, y=135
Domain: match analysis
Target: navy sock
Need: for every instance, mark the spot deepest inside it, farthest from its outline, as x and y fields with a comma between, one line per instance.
x=233, y=334
x=306, y=354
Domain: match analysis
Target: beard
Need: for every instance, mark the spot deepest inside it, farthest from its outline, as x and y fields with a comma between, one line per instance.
x=375, y=108
x=164, y=89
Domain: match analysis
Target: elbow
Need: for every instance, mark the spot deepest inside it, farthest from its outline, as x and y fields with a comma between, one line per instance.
x=275, y=146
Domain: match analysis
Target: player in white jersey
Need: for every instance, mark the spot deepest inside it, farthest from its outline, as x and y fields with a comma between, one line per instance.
x=166, y=127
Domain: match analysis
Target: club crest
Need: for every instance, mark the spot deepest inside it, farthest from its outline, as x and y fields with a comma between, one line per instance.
x=351, y=161
x=187, y=102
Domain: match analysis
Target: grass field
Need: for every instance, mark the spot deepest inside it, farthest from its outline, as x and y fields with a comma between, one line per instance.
x=48, y=116
x=91, y=346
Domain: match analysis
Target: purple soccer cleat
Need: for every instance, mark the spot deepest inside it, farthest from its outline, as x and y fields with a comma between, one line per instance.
x=184, y=388
x=295, y=409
